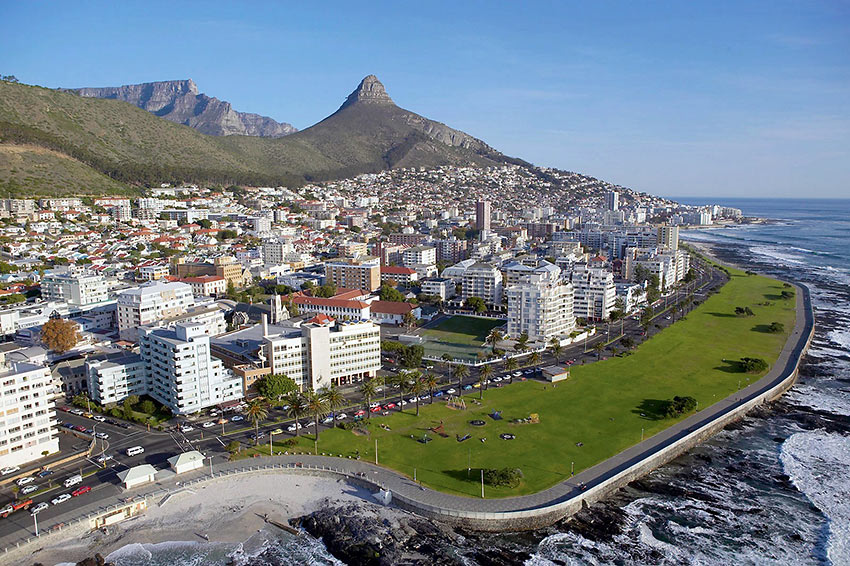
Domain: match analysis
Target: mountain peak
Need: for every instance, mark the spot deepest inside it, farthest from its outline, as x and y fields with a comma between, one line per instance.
x=371, y=91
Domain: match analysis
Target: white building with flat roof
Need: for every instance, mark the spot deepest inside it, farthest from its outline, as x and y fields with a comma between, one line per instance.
x=482, y=280
x=27, y=414
x=116, y=377
x=419, y=255
x=182, y=375
x=594, y=292
x=75, y=287
x=541, y=305
x=150, y=303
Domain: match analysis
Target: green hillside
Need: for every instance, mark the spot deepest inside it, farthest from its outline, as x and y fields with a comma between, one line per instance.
x=132, y=146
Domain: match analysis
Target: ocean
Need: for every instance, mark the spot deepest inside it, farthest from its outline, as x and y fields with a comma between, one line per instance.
x=772, y=489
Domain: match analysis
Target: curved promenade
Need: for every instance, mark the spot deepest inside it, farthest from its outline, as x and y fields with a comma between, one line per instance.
x=511, y=513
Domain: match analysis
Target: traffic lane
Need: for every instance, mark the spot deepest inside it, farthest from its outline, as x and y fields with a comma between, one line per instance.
x=111, y=430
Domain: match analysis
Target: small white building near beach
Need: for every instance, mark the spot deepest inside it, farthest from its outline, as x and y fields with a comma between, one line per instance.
x=137, y=475
x=186, y=462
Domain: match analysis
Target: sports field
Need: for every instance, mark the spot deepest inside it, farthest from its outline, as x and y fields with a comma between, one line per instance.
x=459, y=336
x=603, y=406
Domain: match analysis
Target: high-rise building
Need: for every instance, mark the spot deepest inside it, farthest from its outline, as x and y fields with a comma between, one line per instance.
x=483, y=280
x=150, y=303
x=420, y=255
x=181, y=373
x=541, y=305
x=361, y=273
x=668, y=237
x=28, y=425
x=75, y=287
x=114, y=377
x=612, y=200
x=594, y=292
x=482, y=215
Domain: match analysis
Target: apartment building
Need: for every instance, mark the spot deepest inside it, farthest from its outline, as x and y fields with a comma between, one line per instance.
x=27, y=414
x=360, y=273
x=275, y=251
x=438, y=286
x=351, y=248
x=451, y=250
x=207, y=285
x=412, y=239
x=321, y=351
x=150, y=303
x=153, y=272
x=181, y=373
x=114, y=377
x=668, y=237
x=401, y=275
x=482, y=215
x=594, y=291
x=334, y=307
x=540, y=304
x=482, y=280
x=226, y=267
x=420, y=255
x=75, y=287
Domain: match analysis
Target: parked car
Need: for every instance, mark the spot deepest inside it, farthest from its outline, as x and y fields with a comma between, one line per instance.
x=375, y=409
x=11, y=508
x=38, y=508
x=68, y=425
x=99, y=418
x=451, y=391
x=390, y=406
x=61, y=499
x=25, y=481
x=277, y=431
x=9, y=470
x=80, y=428
x=187, y=428
x=438, y=394
x=293, y=427
x=341, y=416
x=236, y=418
x=467, y=387
x=81, y=490
x=328, y=420
x=102, y=435
x=29, y=489
x=45, y=473
x=208, y=424
x=360, y=413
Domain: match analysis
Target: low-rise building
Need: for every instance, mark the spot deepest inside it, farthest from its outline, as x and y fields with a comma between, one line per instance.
x=359, y=273
x=442, y=287
x=401, y=275
x=207, y=285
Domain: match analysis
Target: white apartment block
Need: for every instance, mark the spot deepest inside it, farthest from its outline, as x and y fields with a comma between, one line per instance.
x=74, y=287
x=321, y=351
x=275, y=251
x=60, y=204
x=594, y=292
x=482, y=280
x=113, y=379
x=27, y=414
x=419, y=255
x=153, y=272
x=438, y=286
x=182, y=374
x=150, y=303
x=541, y=305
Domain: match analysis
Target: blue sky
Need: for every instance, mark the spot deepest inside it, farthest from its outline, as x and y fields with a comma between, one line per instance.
x=673, y=98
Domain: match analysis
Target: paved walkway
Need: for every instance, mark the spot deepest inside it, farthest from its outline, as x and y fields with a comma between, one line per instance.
x=383, y=478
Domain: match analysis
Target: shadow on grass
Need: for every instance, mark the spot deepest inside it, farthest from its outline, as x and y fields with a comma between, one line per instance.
x=732, y=366
x=772, y=297
x=472, y=475
x=722, y=314
x=652, y=409
x=763, y=328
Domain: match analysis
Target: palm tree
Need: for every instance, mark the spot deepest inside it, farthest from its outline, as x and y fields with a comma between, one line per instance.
x=368, y=389
x=295, y=401
x=556, y=348
x=460, y=372
x=431, y=383
x=447, y=363
x=494, y=337
x=417, y=387
x=534, y=358
x=598, y=348
x=399, y=381
x=483, y=375
x=333, y=398
x=521, y=343
x=315, y=404
x=256, y=411
x=510, y=366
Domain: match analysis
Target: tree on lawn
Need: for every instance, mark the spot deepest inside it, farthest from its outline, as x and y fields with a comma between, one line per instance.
x=477, y=304
x=256, y=411
x=295, y=400
x=316, y=405
x=510, y=366
x=399, y=381
x=334, y=399
x=494, y=338
x=556, y=349
x=460, y=371
x=627, y=342
x=431, y=383
x=60, y=335
x=483, y=375
x=368, y=389
x=417, y=387
x=275, y=386
x=598, y=348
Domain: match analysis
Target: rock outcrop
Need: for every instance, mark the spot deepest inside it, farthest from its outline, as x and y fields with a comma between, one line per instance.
x=181, y=102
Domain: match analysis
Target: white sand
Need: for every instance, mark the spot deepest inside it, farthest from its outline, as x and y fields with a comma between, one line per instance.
x=228, y=509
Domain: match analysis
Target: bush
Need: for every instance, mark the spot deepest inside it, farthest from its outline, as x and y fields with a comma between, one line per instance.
x=753, y=365
x=679, y=406
x=233, y=446
x=744, y=311
x=776, y=328
x=503, y=477
x=787, y=294
x=147, y=406
x=391, y=346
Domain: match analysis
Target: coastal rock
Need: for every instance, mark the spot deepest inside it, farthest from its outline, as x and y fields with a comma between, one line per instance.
x=96, y=560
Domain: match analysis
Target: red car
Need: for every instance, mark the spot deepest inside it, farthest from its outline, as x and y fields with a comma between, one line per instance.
x=389, y=406
x=80, y=490
x=375, y=409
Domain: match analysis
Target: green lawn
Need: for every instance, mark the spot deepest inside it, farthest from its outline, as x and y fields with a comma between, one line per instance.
x=459, y=336
x=603, y=405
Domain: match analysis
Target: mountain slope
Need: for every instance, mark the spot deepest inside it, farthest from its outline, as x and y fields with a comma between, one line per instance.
x=181, y=102
x=368, y=133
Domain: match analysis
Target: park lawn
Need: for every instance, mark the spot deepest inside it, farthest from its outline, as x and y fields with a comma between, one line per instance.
x=463, y=330
x=603, y=405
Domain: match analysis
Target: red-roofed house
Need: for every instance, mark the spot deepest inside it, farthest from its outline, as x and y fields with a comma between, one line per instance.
x=337, y=308
x=391, y=312
x=207, y=285
x=403, y=275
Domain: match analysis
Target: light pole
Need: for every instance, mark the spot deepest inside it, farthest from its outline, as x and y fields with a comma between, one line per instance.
x=35, y=520
x=482, y=483
x=376, y=451
x=211, y=471
x=271, y=449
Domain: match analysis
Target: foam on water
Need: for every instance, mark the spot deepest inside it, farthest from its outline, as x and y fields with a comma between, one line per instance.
x=816, y=462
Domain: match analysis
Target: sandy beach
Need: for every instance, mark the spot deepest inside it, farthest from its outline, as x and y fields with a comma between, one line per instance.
x=230, y=509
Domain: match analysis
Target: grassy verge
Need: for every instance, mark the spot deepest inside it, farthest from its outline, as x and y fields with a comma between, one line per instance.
x=603, y=406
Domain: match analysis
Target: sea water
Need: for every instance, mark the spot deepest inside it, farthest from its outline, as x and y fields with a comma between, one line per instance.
x=774, y=489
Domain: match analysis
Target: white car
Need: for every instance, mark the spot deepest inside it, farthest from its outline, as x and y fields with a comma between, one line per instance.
x=208, y=424
x=101, y=435
x=29, y=489
x=309, y=423
x=235, y=418
x=99, y=418
x=61, y=499
x=9, y=470
x=373, y=405
x=328, y=420
x=293, y=427
x=38, y=508
x=341, y=416
x=103, y=458
x=451, y=391
x=25, y=481
x=7, y=510
x=402, y=403
x=186, y=428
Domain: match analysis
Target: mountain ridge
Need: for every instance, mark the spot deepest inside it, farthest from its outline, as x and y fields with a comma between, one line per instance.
x=182, y=102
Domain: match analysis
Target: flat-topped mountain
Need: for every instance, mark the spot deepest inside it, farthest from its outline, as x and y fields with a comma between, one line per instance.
x=181, y=102
x=121, y=142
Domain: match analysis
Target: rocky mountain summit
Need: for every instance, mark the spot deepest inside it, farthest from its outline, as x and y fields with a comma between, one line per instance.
x=371, y=91
x=182, y=102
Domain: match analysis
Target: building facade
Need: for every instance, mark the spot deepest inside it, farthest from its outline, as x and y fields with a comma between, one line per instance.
x=74, y=287
x=594, y=291
x=150, y=303
x=27, y=414
x=363, y=273
x=540, y=304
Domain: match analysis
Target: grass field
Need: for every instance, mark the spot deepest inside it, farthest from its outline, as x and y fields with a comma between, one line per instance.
x=603, y=405
x=458, y=336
